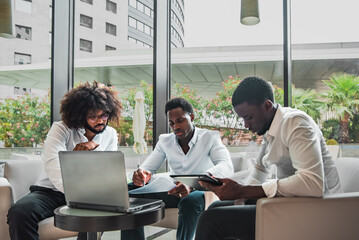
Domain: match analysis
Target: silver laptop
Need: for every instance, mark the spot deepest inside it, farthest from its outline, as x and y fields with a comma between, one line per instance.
x=97, y=180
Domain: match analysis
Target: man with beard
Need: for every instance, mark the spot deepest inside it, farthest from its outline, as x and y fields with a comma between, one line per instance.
x=86, y=111
x=292, y=142
x=188, y=150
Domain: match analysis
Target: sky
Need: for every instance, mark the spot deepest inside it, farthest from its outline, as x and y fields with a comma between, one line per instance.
x=217, y=22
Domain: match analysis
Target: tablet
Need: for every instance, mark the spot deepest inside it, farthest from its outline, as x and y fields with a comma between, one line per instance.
x=192, y=180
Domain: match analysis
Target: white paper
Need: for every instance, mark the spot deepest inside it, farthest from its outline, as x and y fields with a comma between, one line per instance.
x=159, y=184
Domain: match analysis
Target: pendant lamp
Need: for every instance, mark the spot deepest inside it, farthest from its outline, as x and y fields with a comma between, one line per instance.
x=249, y=12
x=6, y=28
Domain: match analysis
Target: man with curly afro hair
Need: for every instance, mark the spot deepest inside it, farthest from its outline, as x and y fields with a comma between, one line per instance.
x=86, y=111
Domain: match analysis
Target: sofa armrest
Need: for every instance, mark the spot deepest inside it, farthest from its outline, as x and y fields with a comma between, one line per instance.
x=6, y=201
x=296, y=218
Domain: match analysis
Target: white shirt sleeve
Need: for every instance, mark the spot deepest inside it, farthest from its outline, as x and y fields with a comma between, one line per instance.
x=221, y=159
x=154, y=161
x=55, y=141
x=305, y=152
x=113, y=142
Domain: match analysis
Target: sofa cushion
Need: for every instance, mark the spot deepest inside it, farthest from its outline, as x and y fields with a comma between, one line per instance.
x=22, y=174
x=2, y=169
x=237, y=160
x=348, y=169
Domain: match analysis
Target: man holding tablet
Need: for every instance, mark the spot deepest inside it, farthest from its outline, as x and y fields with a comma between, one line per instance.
x=188, y=150
x=292, y=141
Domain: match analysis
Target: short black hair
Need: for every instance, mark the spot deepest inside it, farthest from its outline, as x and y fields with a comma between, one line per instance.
x=252, y=90
x=179, y=102
x=89, y=97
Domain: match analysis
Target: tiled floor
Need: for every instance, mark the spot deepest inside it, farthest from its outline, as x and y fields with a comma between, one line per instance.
x=151, y=233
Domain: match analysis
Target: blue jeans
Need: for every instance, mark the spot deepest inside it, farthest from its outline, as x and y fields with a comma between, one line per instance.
x=190, y=208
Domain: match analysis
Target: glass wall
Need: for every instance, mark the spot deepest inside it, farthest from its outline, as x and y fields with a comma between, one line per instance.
x=113, y=45
x=218, y=52
x=25, y=77
x=326, y=66
x=211, y=52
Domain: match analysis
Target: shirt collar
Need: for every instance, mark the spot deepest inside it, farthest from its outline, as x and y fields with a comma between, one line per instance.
x=275, y=123
x=193, y=139
x=97, y=137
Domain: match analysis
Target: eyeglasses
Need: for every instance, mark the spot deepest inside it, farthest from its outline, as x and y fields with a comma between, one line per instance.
x=103, y=117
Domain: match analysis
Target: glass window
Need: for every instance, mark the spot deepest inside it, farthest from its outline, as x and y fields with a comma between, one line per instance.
x=131, y=39
x=208, y=83
x=147, y=30
x=140, y=6
x=111, y=29
x=132, y=3
x=140, y=26
x=23, y=32
x=111, y=6
x=85, y=21
x=109, y=48
x=22, y=58
x=322, y=67
x=132, y=22
x=24, y=90
x=126, y=78
x=85, y=45
x=147, y=11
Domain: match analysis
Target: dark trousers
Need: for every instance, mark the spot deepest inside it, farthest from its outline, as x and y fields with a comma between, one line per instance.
x=190, y=208
x=223, y=220
x=26, y=213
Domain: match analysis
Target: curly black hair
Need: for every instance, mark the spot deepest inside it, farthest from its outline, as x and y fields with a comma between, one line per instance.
x=86, y=97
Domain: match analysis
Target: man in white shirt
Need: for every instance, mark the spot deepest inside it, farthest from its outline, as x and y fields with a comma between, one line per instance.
x=292, y=142
x=85, y=112
x=188, y=150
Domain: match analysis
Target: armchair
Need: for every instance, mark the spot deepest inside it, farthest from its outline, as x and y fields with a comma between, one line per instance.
x=334, y=216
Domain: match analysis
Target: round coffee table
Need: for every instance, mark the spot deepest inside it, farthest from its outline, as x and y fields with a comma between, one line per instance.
x=94, y=222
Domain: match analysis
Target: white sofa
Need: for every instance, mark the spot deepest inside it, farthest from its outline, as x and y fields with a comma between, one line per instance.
x=332, y=217
x=21, y=173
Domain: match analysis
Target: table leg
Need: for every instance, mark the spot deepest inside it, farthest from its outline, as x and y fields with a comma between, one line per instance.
x=94, y=236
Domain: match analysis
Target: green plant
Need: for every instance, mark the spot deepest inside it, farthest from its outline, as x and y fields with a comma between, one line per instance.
x=342, y=99
x=191, y=95
x=331, y=142
x=25, y=120
x=330, y=129
x=307, y=101
x=220, y=110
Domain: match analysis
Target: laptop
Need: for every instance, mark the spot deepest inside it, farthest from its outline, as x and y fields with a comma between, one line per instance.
x=97, y=180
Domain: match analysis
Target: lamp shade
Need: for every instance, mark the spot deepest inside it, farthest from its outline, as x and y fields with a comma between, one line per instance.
x=249, y=12
x=6, y=28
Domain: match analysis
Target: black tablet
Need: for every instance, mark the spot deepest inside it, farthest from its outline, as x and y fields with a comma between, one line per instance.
x=192, y=180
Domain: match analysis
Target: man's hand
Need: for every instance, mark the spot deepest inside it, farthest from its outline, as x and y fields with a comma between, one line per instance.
x=231, y=190
x=86, y=146
x=181, y=190
x=141, y=177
